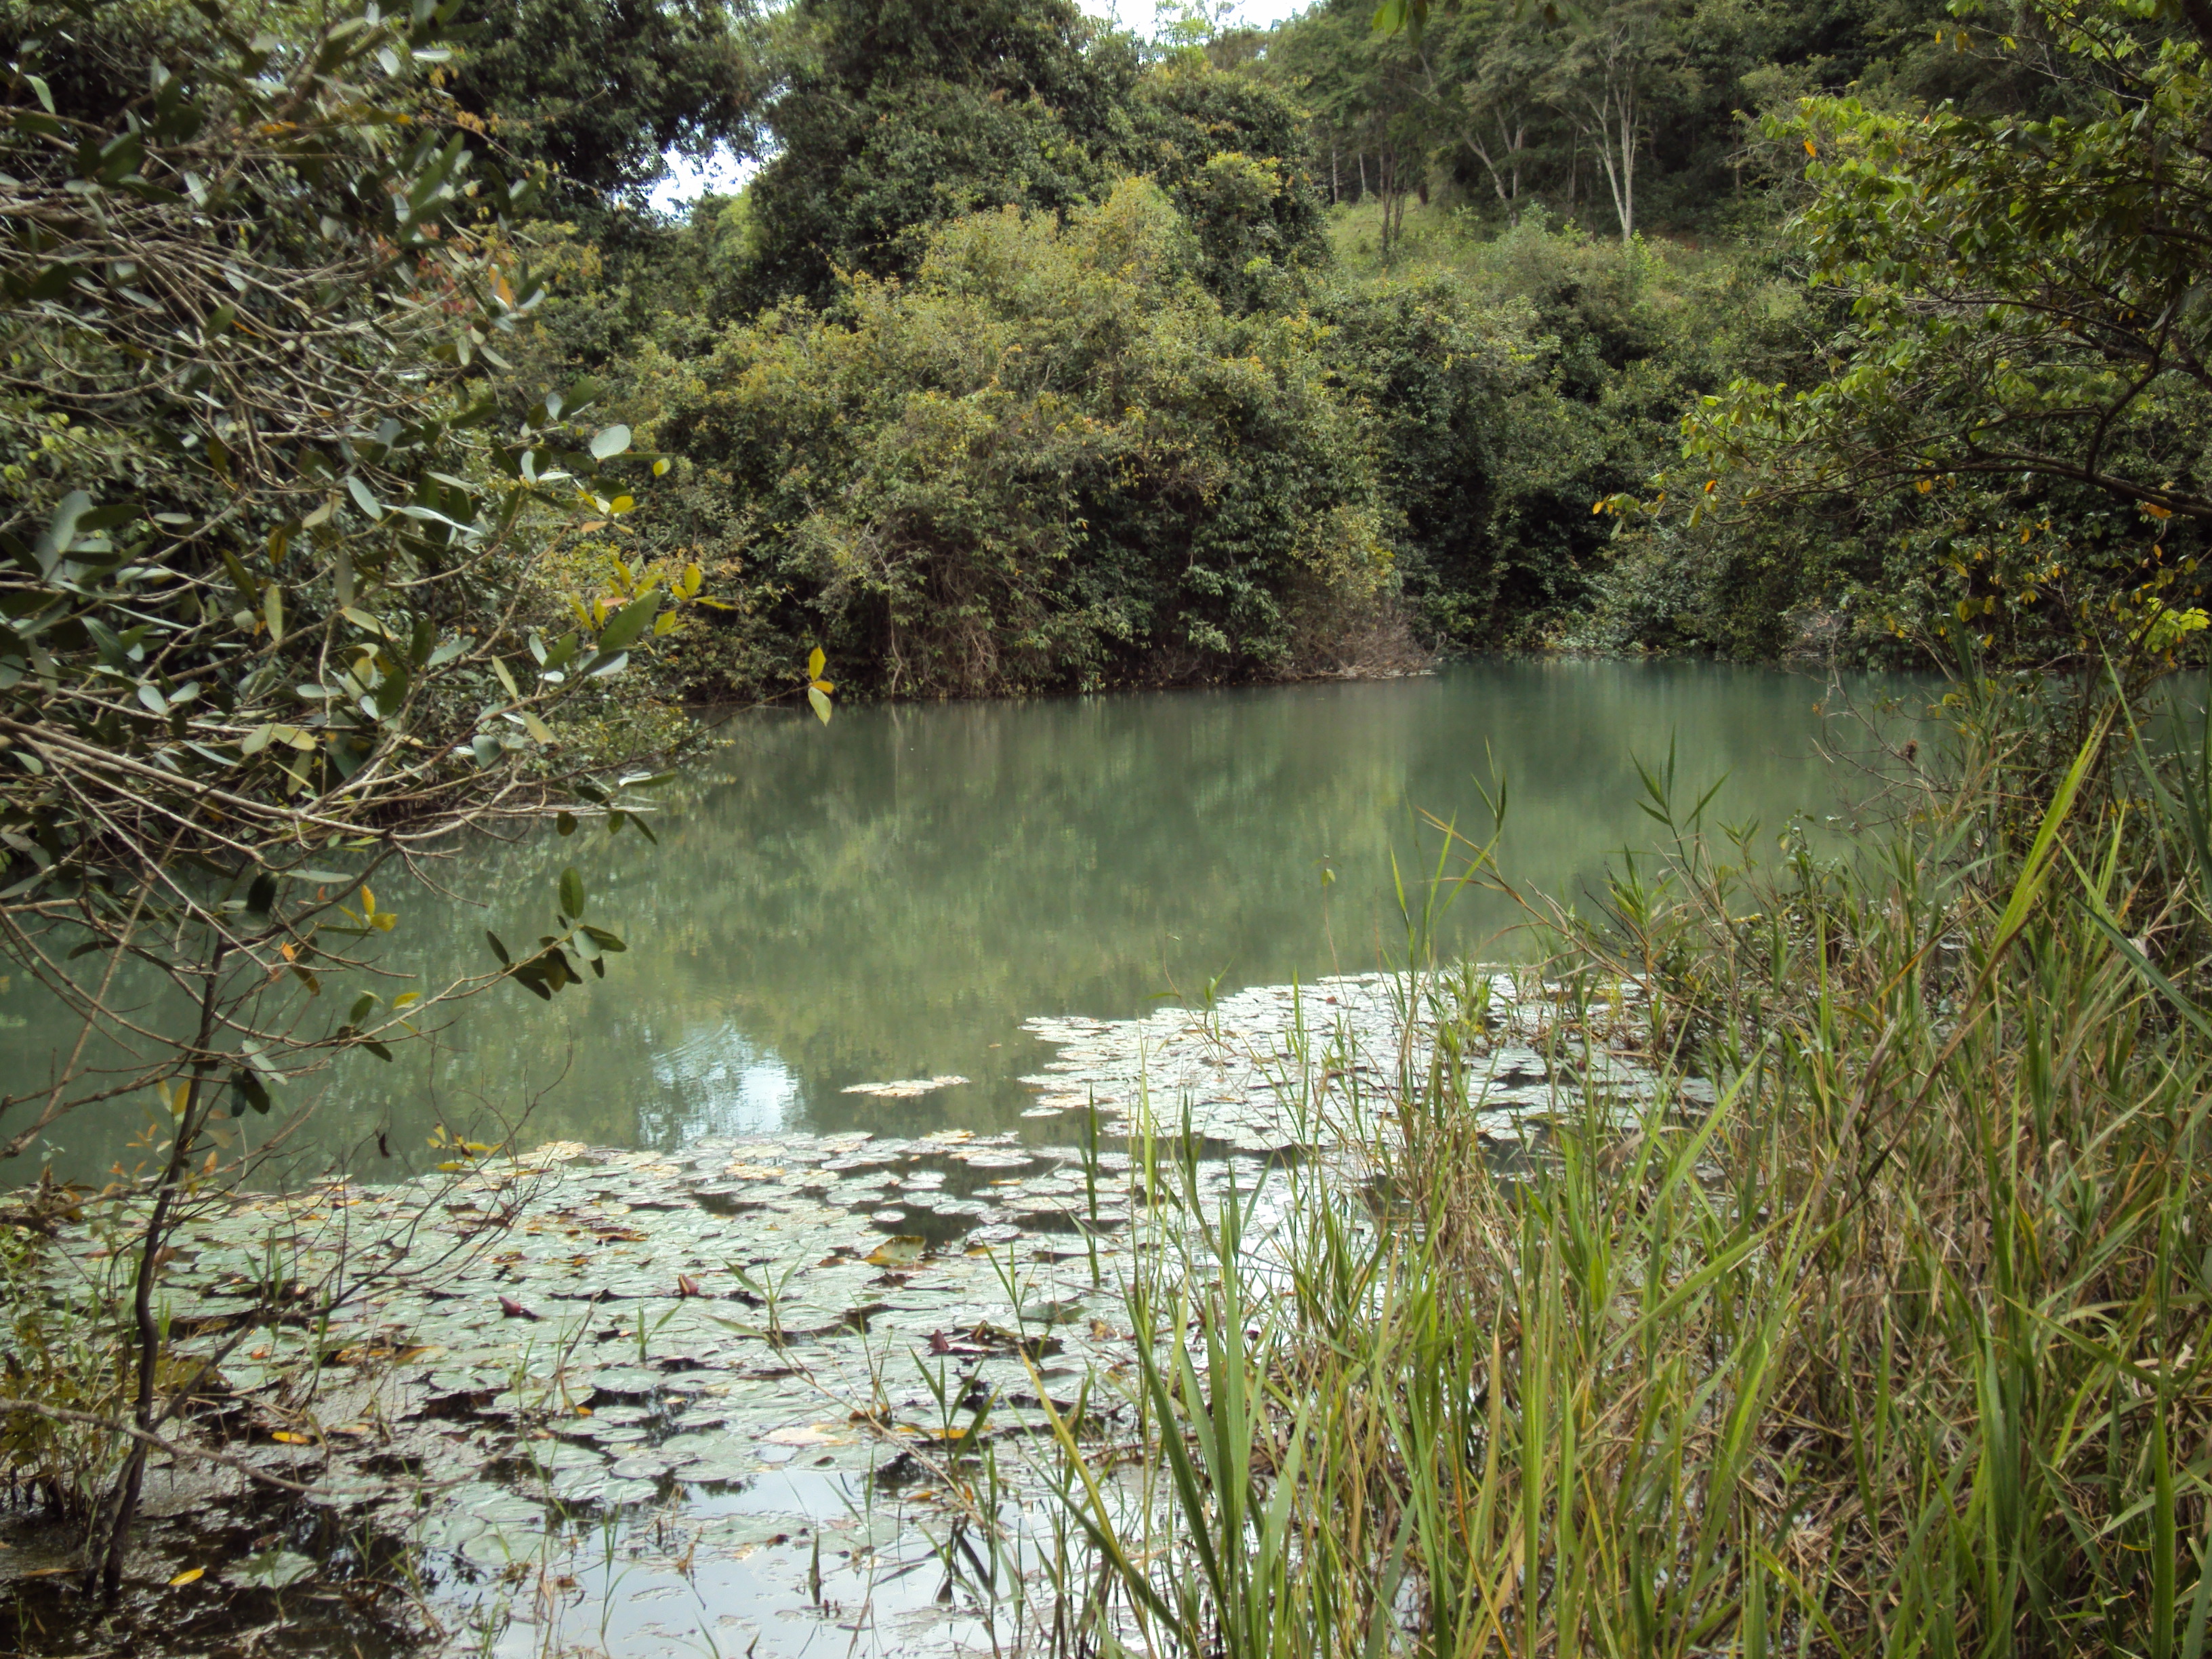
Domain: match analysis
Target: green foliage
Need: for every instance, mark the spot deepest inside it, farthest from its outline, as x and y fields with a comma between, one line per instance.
x=281, y=574
x=893, y=119
x=1626, y=114
x=896, y=116
x=2011, y=420
x=1515, y=379
x=601, y=92
x=57, y=1352
x=1229, y=153
x=1052, y=458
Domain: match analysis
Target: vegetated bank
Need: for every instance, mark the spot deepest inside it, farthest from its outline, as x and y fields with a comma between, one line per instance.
x=1036, y=356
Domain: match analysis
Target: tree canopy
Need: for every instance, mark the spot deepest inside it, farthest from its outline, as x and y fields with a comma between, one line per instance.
x=603, y=91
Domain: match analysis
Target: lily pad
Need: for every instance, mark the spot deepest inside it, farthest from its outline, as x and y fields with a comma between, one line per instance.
x=900, y=1250
x=274, y=1569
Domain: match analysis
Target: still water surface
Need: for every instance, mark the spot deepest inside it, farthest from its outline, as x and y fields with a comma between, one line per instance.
x=891, y=896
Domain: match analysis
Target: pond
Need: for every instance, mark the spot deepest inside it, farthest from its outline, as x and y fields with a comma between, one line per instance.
x=834, y=1180
x=891, y=897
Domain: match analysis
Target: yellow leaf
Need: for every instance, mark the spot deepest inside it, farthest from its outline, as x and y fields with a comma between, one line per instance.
x=814, y=661
x=1809, y=150
x=536, y=727
x=187, y=1577
x=283, y=1437
x=1925, y=485
x=621, y=504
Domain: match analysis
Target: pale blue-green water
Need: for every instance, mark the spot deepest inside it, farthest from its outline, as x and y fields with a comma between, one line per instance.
x=892, y=895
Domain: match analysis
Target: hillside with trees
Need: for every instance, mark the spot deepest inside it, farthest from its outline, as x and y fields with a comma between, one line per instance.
x=1035, y=355
x=1403, y=307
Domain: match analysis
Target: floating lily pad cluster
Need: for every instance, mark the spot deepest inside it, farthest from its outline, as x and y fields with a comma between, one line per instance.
x=1280, y=1067
x=796, y=1343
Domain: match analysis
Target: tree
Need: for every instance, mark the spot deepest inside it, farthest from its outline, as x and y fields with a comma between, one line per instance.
x=1617, y=58
x=1050, y=458
x=893, y=119
x=1228, y=150
x=894, y=116
x=2026, y=357
x=273, y=565
x=1498, y=61
x=601, y=92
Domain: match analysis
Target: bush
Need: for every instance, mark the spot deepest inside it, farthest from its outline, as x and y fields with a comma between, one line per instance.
x=1051, y=459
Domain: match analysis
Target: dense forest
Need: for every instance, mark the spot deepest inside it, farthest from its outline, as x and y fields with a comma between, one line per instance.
x=1036, y=354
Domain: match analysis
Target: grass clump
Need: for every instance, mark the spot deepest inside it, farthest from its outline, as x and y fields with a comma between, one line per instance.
x=1897, y=1347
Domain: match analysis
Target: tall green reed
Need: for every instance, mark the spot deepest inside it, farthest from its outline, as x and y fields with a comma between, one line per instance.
x=1895, y=1343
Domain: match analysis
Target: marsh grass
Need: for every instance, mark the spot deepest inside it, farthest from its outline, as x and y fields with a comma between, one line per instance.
x=1899, y=1346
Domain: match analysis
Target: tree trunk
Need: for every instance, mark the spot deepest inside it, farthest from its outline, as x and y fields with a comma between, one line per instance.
x=1612, y=127
x=1505, y=169
x=107, y=1554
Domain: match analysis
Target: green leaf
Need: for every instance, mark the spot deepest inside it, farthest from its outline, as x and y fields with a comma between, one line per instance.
x=820, y=703
x=627, y=624
x=363, y=500
x=572, y=893
x=610, y=443
x=251, y=1090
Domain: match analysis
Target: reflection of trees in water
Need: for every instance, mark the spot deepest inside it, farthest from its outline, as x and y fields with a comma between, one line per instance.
x=889, y=896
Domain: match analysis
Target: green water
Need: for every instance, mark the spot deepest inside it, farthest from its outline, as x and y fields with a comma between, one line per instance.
x=892, y=895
